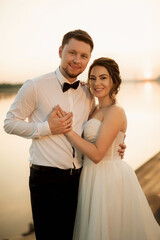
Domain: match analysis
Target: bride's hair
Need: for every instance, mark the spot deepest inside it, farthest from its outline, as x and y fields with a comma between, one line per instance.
x=113, y=70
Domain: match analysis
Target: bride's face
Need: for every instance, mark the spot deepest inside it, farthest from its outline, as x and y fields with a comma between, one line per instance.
x=100, y=82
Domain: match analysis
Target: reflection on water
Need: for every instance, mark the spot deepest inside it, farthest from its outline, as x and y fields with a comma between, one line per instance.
x=4, y=95
x=15, y=212
x=142, y=104
x=148, y=87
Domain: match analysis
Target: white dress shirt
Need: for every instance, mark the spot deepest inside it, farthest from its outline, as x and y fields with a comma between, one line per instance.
x=35, y=101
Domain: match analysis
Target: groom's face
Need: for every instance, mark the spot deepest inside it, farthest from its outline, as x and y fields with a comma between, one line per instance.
x=75, y=56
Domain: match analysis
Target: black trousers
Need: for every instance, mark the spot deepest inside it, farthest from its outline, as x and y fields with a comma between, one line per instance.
x=54, y=200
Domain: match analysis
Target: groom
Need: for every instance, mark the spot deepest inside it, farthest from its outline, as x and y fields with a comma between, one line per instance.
x=55, y=163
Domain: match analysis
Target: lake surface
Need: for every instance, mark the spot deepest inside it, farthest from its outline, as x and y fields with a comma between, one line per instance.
x=141, y=102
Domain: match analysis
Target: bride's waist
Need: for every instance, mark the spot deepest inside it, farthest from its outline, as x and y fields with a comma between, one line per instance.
x=105, y=160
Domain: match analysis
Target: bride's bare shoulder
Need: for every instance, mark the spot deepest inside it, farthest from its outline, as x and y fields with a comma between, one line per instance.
x=116, y=108
x=115, y=112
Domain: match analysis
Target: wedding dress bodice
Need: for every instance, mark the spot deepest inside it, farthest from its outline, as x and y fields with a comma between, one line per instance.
x=91, y=132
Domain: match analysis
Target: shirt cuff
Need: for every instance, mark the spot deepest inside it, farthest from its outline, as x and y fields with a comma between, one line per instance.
x=44, y=129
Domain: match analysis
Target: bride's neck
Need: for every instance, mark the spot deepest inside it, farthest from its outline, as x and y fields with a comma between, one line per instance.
x=103, y=103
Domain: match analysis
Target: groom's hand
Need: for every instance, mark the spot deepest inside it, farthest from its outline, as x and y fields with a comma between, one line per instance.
x=60, y=125
x=122, y=148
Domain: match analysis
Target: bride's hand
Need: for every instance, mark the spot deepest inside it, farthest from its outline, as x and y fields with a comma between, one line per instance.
x=60, y=113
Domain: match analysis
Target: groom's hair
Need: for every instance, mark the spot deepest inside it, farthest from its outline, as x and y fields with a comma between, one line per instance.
x=79, y=35
x=114, y=72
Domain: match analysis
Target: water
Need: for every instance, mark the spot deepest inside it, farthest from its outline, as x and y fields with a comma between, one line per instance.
x=142, y=104
x=15, y=211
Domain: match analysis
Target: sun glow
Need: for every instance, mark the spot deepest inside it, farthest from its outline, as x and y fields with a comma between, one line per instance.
x=148, y=74
x=148, y=87
x=30, y=47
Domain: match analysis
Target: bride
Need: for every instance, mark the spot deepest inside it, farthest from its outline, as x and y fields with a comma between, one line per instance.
x=111, y=203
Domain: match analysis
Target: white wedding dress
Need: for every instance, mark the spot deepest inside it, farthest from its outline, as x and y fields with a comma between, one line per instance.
x=111, y=203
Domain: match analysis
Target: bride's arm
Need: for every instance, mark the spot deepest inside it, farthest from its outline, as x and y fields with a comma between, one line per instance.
x=110, y=127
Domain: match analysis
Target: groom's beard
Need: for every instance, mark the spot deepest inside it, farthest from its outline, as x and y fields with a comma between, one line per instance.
x=71, y=75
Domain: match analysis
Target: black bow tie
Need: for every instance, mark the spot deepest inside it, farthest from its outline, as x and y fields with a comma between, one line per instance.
x=67, y=86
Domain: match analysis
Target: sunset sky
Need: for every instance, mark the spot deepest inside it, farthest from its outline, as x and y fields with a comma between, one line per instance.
x=31, y=32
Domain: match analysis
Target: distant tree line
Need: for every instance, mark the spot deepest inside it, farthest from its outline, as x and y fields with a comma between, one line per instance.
x=7, y=87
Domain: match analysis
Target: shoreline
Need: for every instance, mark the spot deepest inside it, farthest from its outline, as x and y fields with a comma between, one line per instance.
x=10, y=88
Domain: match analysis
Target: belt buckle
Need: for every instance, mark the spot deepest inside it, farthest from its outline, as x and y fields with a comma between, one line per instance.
x=71, y=172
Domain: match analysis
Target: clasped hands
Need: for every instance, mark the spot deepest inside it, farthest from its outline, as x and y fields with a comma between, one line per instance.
x=60, y=122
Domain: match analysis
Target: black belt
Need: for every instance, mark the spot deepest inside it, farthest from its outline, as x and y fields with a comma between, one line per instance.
x=70, y=171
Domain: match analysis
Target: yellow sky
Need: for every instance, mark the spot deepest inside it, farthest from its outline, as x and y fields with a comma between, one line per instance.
x=31, y=32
